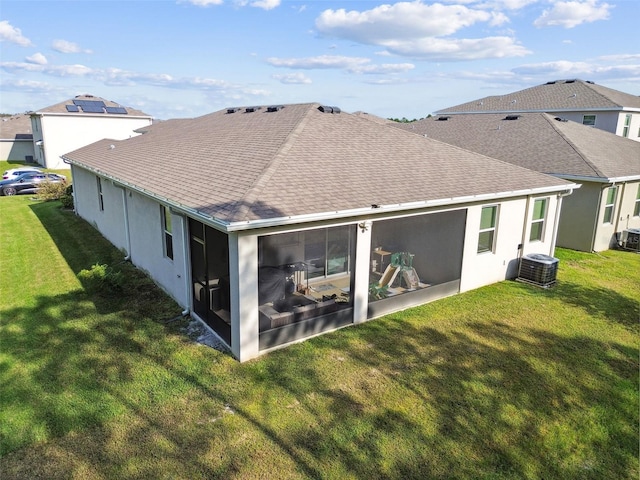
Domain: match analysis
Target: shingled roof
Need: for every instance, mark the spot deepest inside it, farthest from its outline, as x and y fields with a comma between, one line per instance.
x=16, y=127
x=62, y=107
x=244, y=165
x=539, y=141
x=554, y=96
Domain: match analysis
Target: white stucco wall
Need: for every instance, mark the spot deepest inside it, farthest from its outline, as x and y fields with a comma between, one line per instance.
x=626, y=217
x=513, y=229
x=63, y=133
x=634, y=126
x=145, y=240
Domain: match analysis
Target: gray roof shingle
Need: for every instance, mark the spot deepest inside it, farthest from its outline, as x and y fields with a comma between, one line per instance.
x=556, y=96
x=297, y=161
x=538, y=141
x=62, y=106
x=16, y=127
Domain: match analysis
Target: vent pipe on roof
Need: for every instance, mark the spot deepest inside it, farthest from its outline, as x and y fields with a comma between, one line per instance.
x=327, y=109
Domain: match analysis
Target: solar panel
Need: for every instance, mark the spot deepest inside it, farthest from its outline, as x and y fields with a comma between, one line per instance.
x=82, y=103
x=119, y=110
x=72, y=108
x=93, y=108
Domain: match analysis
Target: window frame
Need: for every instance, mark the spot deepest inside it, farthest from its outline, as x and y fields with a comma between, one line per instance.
x=167, y=231
x=636, y=206
x=627, y=125
x=589, y=122
x=100, y=194
x=610, y=205
x=491, y=230
x=542, y=220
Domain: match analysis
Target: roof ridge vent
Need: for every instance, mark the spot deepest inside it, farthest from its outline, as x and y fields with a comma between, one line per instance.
x=275, y=108
x=512, y=117
x=327, y=109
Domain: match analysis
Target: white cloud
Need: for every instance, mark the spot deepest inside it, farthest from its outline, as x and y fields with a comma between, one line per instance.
x=420, y=30
x=349, y=64
x=573, y=13
x=293, y=78
x=205, y=3
x=402, y=20
x=266, y=4
x=63, y=46
x=37, y=58
x=12, y=34
x=602, y=68
x=459, y=49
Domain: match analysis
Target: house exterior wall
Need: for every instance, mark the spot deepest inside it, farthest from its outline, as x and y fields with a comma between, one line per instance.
x=132, y=223
x=626, y=217
x=577, y=224
x=513, y=229
x=605, y=120
x=16, y=150
x=63, y=133
x=634, y=125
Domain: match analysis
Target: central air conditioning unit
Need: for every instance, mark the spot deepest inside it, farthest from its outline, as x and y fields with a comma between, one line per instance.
x=631, y=239
x=538, y=269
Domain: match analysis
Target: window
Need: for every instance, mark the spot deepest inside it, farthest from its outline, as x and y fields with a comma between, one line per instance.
x=627, y=124
x=589, y=120
x=538, y=219
x=609, y=206
x=486, y=239
x=167, y=231
x=100, y=197
x=636, y=208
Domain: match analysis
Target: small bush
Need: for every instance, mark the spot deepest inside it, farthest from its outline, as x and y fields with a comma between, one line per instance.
x=51, y=191
x=67, y=198
x=101, y=278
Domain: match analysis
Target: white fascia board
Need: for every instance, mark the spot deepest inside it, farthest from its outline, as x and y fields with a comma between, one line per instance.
x=395, y=208
x=580, y=178
x=540, y=110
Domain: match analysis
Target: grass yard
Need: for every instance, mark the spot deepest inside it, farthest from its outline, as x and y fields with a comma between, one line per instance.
x=505, y=382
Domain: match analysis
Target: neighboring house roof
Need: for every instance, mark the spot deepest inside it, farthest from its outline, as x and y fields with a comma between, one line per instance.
x=240, y=167
x=555, y=96
x=16, y=127
x=538, y=141
x=90, y=105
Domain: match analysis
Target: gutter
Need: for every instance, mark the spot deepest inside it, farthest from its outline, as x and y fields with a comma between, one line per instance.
x=607, y=180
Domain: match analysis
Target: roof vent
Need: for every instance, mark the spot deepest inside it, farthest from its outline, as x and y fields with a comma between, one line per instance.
x=232, y=110
x=560, y=119
x=590, y=81
x=570, y=81
x=327, y=109
x=275, y=108
x=550, y=83
x=251, y=109
x=512, y=117
x=443, y=118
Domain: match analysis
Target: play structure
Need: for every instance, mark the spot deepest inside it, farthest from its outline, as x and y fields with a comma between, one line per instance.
x=398, y=274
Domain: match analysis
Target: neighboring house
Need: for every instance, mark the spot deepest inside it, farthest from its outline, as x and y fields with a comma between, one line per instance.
x=583, y=102
x=606, y=166
x=274, y=224
x=80, y=121
x=16, y=141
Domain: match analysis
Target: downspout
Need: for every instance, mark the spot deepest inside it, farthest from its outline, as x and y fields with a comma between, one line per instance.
x=524, y=228
x=597, y=219
x=127, y=233
x=186, y=272
x=557, y=220
x=618, y=212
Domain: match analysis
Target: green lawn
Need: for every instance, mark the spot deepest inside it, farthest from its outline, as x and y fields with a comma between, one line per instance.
x=505, y=382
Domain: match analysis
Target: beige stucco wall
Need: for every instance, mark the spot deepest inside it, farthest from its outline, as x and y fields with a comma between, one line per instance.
x=16, y=150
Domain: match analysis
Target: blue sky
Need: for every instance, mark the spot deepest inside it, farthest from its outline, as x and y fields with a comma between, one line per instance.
x=185, y=58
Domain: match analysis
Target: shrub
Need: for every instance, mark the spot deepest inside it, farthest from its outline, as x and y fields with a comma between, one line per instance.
x=67, y=198
x=51, y=191
x=101, y=278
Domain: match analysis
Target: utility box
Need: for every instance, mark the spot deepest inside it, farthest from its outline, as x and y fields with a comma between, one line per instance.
x=538, y=269
x=631, y=239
